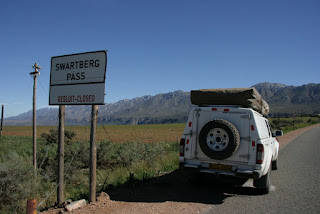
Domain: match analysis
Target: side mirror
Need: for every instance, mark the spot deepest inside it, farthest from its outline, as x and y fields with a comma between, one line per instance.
x=278, y=133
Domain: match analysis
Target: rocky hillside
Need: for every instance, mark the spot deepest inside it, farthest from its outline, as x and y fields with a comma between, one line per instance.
x=162, y=108
x=174, y=107
x=291, y=100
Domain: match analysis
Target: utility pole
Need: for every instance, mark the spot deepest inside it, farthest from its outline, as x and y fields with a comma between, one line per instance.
x=1, y=121
x=35, y=74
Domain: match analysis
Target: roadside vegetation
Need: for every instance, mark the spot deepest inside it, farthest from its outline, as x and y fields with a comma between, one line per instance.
x=119, y=163
x=292, y=123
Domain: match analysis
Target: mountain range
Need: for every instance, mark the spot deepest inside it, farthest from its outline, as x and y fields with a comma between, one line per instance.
x=174, y=107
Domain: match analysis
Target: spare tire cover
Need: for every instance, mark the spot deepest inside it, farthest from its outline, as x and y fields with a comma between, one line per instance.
x=219, y=139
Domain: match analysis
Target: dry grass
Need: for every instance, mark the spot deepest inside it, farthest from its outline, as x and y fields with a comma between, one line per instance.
x=118, y=134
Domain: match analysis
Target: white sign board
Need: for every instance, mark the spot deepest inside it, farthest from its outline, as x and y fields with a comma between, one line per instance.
x=78, y=79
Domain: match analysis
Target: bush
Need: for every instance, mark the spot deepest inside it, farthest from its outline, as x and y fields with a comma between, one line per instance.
x=311, y=121
x=52, y=137
x=128, y=163
x=16, y=182
x=124, y=154
x=48, y=154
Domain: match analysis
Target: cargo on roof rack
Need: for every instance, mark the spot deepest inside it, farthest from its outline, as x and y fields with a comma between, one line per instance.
x=246, y=97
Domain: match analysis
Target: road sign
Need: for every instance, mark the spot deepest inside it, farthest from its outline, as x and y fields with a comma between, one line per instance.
x=78, y=79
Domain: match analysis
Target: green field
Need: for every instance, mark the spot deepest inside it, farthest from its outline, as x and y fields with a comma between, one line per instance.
x=125, y=156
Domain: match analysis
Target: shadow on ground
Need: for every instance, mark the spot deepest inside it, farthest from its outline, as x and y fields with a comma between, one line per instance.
x=182, y=186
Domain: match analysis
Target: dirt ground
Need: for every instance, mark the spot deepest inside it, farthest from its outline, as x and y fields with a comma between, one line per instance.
x=170, y=193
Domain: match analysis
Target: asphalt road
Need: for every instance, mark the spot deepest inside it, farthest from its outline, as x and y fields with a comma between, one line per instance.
x=296, y=183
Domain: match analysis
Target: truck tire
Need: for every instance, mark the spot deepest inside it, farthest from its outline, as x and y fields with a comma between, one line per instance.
x=219, y=139
x=264, y=183
x=275, y=165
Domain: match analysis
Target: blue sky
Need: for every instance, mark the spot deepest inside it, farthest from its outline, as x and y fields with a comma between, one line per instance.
x=159, y=46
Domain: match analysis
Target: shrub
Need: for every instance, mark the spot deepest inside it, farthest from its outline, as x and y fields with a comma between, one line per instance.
x=78, y=152
x=124, y=154
x=52, y=137
x=16, y=182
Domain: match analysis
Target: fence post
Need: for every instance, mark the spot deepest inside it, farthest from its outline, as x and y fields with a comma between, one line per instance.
x=32, y=206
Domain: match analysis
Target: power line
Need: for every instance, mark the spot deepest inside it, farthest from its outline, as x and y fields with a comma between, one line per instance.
x=46, y=92
x=15, y=66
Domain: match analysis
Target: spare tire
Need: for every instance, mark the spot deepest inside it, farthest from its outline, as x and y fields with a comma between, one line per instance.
x=219, y=139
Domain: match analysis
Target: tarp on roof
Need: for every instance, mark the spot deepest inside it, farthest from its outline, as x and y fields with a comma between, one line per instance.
x=246, y=97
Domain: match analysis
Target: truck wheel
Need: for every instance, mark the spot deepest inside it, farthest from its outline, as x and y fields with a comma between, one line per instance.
x=264, y=183
x=219, y=139
x=275, y=165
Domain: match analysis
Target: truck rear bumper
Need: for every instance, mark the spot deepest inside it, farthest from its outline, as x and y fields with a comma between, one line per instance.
x=237, y=173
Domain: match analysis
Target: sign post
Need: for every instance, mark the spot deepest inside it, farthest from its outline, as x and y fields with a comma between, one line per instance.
x=93, y=154
x=60, y=190
x=78, y=79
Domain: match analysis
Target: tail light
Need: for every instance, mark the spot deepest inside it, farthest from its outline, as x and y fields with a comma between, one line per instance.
x=182, y=143
x=260, y=151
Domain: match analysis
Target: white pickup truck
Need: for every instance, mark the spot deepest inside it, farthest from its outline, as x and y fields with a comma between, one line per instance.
x=229, y=140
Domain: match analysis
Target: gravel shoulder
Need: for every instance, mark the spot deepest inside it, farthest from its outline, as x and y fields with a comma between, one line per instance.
x=170, y=193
